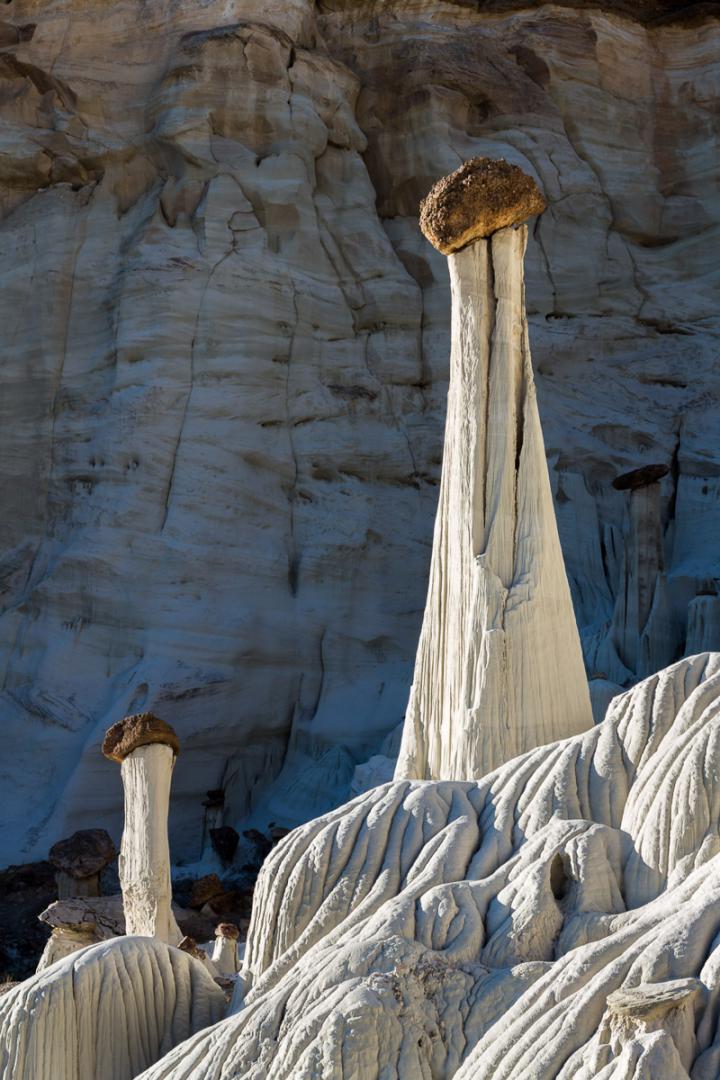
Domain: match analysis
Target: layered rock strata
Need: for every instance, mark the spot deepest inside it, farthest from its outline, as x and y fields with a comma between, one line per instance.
x=225, y=363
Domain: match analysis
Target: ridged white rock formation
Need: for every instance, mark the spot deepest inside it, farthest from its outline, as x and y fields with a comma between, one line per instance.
x=145, y=855
x=499, y=666
x=484, y=929
x=146, y=747
x=105, y=1013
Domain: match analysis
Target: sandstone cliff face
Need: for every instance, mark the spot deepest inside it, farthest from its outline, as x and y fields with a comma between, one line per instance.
x=225, y=365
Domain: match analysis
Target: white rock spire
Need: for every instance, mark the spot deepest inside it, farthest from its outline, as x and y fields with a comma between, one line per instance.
x=146, y=747
x=499, y=667
x=225, y=954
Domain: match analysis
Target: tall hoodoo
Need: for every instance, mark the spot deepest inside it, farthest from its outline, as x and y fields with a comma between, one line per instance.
x=146, y=747
x=499, y=667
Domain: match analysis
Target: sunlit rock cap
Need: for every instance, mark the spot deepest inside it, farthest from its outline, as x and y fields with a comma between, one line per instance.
x=476, y=200
x=142, y=729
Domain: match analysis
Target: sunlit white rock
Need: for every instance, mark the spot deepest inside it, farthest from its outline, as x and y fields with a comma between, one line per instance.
x=499, y=666
x=480, y=928
x=106, y=1012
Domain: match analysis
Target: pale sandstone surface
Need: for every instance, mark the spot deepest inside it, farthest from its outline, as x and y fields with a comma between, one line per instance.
x=225, y=354
x=557, y=918
x=106, y=1012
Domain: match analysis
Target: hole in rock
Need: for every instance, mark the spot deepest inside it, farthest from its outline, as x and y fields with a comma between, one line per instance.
x=559, y=879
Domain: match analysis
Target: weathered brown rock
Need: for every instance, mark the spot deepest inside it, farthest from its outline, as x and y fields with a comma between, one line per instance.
x=638, y=478
x=648, y=1001
x=226, y=905
x=227, y=930
x=476, y=200
x=227, y=985
x=189, y=945
x=206, y=889
x=83, y=854
x=224, y=840
x=142, y=729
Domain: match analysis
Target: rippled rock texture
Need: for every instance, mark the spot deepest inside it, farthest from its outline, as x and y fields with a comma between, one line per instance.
x=556, y=919
x=225, y=367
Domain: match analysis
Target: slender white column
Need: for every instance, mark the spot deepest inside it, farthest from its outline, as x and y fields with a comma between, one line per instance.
x=225, y=955
x=499, y=667
x=146, y=748
x=144, y=852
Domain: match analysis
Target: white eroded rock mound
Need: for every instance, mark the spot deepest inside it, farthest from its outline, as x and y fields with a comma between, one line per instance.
x=105, y=1013
x=557, y=918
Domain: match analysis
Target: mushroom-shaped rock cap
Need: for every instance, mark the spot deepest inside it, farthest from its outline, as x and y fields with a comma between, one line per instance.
x=104, y=914
x=142, y=729
x=476, y=200
x=650, y=1000
x=227, y=930
x=637, y=478
x=83, y=854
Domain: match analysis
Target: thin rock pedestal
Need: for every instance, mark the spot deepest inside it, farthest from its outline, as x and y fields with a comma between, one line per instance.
x=146, y=748
x=499, y=667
